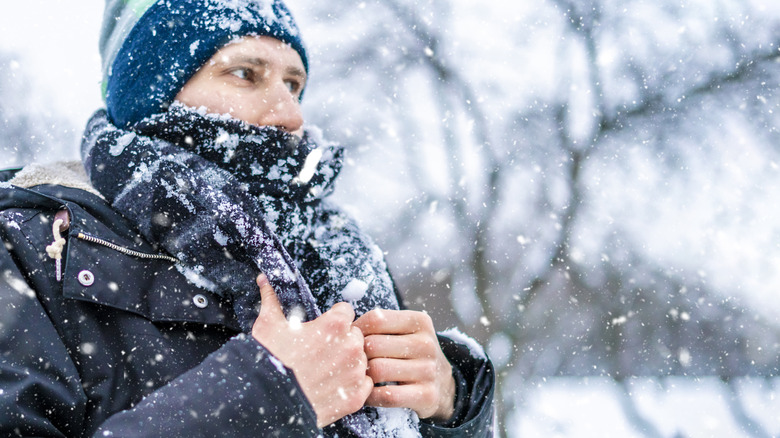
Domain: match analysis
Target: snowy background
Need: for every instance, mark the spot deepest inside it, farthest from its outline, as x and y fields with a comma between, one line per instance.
x=590, y=188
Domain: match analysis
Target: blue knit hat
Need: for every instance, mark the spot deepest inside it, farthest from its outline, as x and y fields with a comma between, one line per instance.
x=151, y=48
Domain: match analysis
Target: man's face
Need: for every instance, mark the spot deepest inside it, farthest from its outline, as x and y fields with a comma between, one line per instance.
x=255, y=79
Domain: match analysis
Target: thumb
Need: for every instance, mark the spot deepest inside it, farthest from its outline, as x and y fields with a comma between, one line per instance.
x=269, y=302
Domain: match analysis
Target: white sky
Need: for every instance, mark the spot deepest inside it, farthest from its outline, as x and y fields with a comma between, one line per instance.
x=56, y=42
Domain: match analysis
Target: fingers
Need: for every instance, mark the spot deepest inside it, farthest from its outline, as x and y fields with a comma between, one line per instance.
x=400, y=346
x=270, y=304
x=352, y=349
x=394, y=322
x=401, y=371
x=421, y=398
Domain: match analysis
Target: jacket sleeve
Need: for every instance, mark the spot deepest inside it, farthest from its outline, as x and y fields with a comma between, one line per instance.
x=238, y=390
x=475, y=386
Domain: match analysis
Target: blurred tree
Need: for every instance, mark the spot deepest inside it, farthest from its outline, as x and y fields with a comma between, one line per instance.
x=529, y=216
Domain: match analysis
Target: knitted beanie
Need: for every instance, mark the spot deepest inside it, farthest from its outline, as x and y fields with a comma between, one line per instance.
x=151, y=48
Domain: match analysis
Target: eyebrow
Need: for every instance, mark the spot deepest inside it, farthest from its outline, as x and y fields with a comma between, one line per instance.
x=260, y=62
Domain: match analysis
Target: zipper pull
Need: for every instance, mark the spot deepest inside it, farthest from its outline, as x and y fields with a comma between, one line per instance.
x=61, y=224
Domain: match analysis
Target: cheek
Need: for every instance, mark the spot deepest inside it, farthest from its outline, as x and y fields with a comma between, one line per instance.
x=214, y=100
x=246, y=107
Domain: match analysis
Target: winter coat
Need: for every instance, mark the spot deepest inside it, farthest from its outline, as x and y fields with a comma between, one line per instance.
x=119, y=343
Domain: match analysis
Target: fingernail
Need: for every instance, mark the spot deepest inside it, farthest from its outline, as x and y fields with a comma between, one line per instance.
x=262, y=280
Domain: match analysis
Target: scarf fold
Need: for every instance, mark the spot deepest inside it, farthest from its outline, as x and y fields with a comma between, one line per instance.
x=230, y=200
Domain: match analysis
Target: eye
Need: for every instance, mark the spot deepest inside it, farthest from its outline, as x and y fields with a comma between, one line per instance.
x=294, y=86
x=243, y=73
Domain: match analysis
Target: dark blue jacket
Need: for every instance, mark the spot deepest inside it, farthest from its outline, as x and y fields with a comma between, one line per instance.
x=123, y=345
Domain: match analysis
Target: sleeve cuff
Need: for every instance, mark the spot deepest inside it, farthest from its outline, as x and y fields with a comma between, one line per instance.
x=475, y=382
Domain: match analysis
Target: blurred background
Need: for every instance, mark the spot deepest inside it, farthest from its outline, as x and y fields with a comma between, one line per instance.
x=591, y=189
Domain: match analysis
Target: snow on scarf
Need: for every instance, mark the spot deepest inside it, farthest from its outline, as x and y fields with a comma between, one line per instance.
x=230, y=200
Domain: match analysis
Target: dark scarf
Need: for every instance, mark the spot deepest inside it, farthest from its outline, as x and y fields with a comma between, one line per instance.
x=231, y=200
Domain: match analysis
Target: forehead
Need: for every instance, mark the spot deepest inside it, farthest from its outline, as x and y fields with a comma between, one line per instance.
x=265, y=48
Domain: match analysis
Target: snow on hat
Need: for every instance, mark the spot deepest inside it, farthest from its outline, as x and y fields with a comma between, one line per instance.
x=151, y=48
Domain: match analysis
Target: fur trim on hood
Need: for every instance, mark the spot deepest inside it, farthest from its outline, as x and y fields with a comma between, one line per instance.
x=62, y=173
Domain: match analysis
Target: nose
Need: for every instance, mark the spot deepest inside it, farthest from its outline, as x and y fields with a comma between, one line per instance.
x=284, y=111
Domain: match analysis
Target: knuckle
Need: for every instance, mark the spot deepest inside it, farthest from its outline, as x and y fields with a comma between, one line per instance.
x=428, y=343
x=357, y=334
x=353, y=346
x=425, y=321
x=351, y=355
x=359, y=364
x=429, y=396
x=371, y=345
x=429, y=369
x=344, y=309
x=338, y=307
x=357, y=348
x=421, y=321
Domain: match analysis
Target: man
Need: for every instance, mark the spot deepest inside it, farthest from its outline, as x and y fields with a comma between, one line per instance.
x=145, y=320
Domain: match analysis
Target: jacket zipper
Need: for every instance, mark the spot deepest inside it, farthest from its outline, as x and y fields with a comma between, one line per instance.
x=126, y=251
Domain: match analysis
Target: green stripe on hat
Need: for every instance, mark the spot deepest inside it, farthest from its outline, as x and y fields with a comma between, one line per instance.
x=139, y=6
x=119, y=17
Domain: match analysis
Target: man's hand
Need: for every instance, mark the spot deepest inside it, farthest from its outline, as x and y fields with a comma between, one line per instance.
x=326, y=355
x=403, y=350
